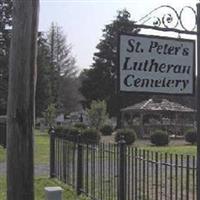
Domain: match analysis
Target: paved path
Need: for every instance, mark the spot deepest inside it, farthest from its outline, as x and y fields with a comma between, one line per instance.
x=40, y=170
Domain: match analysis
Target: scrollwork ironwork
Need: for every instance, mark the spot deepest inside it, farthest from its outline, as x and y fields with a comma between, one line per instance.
x=170, y=19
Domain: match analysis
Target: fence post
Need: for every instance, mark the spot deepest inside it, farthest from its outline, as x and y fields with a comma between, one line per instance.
x=52, y=152
x=156, y=175
x=79, y=166
x=64, y=162
x=122, y=169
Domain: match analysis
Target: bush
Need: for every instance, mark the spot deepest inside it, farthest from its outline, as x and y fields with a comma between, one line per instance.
x=74, y=132
x=70, y=133
x=159, y=138
x=61, y=130
x=80, y=126
x=49, y=114
x=191, y=136
x=106, y=130
x=91, y=136
x=97, y=114
x=129, y=135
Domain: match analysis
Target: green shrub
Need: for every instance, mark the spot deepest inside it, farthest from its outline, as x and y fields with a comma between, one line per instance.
x=128, y=134
x=159, y=138
x=106, y=130
x=191, y=136
x=61, y=130
x=71, y=133
x=97, y=114
x=91, y=136
x=49, y=114
x=74, y=132
x=80, y=126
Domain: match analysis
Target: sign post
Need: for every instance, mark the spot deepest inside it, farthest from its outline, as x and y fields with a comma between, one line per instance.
x=163, y=65
x=198, y=101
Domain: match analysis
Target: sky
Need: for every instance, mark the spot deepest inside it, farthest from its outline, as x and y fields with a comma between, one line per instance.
x=83, y=20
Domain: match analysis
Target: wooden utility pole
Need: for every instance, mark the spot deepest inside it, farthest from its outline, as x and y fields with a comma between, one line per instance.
x=22, y=76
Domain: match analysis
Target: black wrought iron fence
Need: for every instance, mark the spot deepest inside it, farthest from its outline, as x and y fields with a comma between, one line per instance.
x=119, y=172
x=3, y=131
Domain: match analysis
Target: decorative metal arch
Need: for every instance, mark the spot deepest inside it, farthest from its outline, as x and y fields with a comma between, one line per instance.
x=172, y=20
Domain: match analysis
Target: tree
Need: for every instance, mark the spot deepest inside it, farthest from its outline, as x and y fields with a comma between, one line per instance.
x=61, y=60
x=43, y=87
x=100, y=81
x=50, y=114
x=22, y=75
x=3, y=84
x=5, y=26
x=70, y=96
x=97, y=114
x=64, y=77
x=57, y=80
x=60, y=51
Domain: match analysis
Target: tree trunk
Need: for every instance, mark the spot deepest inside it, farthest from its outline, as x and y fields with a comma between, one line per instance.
x=22, y=77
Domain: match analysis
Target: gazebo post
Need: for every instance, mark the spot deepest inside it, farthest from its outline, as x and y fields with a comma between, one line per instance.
x=160, y=118
x=141, y=124
x=131, y=116
x=176, y=123
x=122, y=119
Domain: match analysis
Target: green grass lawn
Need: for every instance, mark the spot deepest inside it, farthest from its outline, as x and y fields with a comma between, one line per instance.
x=41, y=156
x=2, y=154
x=41, y=150
x=185, y=150
x=40, y=184
x=176, y=146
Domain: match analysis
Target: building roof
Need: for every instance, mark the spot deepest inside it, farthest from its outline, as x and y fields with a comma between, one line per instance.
x=161, y=105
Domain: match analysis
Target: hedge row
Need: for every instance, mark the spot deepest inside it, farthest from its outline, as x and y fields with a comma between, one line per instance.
x=80, y=133
x=90, y=135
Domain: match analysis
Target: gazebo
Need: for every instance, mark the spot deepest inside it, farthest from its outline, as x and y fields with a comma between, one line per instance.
x=156, y=113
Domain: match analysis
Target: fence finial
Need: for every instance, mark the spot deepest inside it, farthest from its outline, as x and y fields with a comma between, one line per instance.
x=122, y=140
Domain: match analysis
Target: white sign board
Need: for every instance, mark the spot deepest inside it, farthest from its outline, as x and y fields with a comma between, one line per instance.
x=156, y=64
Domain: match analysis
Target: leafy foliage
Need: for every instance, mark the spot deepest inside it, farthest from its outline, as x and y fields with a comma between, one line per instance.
x=80, y=133
x=159, y=138
x=191, y=136
x=57, y=82
x=43, y=86
x=128, y=135
x=3, y=83
x=99, y=82
x=91, y=136
x=74, y=132
x=62, y=130
x=80, y=126
x=5, y=36
x=64, y=84
x=5, y=25
x=106, y=129
x=50, y=114
x=97, y=114
x=60, y=53
x=69, y=95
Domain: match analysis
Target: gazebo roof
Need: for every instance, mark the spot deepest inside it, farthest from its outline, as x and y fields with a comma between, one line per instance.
x=161, y=105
